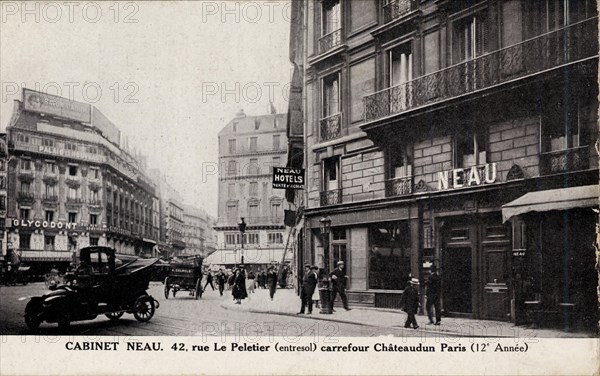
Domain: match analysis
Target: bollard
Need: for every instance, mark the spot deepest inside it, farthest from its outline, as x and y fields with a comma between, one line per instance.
x=325, y=295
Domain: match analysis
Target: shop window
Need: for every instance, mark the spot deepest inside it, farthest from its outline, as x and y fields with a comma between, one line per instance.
x=94, y=240
x=470, y=149
x=49, y=242
x=470, y=37
x=72, y=170
x=93, y=219
x=252, y=144
x=24, y=241
x=49, y=215
x=389, y=255
x=72, y=217
x=24, y=213
x=232, y=146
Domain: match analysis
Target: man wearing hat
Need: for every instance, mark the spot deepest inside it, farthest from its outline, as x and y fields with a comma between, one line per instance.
x=410, y=302
x=272, y=281
x=338, y=285
x=434, y=287
x=309, y=283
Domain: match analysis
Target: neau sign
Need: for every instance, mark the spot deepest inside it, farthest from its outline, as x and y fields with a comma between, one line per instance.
x=467, y=177
x=284, y=178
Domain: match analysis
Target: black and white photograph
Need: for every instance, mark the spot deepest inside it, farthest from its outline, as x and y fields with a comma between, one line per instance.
x=299, y=187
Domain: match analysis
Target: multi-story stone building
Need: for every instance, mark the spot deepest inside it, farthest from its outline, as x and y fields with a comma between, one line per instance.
x=3, y=163
x=249, y=147
x=198, y=232
x=461, y=134
x=170, y=208
x=71, y=185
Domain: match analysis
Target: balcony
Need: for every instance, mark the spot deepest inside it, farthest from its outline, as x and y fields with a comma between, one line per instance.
x=331, y=197
x=398, y=186
x=397, y=8
x=533, y=56
x=331, y=127
x=74, y=200
x=50, y=198
x=25, y=197
x=330, y=41
x=568, y=160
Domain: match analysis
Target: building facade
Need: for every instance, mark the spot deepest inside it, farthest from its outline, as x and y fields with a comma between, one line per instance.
x=432, y=127
x=170, y=209
x=71, y=185
x=249, y=147
x=198, y=232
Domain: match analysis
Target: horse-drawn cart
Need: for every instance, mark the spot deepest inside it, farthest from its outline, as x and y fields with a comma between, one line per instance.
x=185, y=275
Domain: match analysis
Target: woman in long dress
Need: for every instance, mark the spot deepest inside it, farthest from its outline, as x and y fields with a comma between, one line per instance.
x=239, y=286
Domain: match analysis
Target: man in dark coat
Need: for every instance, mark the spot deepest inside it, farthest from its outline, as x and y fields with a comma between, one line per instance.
x=434, y=286
x=309, y=283
x=338, y=285
x=239, y=286
x=410, y=302
x=221, y=281
x=272, y=281
x=209, y=280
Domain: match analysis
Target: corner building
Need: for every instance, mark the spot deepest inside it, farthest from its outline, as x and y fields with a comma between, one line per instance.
x=460, y=134
x=70, y=185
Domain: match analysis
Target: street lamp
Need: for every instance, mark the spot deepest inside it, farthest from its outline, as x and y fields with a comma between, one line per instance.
x=325, y=226
x=242, y=227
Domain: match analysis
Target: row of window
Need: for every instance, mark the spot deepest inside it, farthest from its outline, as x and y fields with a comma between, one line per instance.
x=50, y=190
x=468, y=38
x=253, y=167
x=253, y=238
x=254, y=211
x=253, y=144
x=50, y=168
x=50, y=241
x=257, y=124
x=49, y=215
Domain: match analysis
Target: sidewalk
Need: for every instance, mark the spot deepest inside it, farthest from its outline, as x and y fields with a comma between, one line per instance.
x=287, y=303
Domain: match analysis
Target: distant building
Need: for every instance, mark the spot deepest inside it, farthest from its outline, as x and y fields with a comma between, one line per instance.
x=71, y=185
x=198, y=232
x=249, y=147
x=170, y=216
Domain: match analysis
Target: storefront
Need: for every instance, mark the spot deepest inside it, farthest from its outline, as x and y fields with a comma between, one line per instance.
x=554, y=257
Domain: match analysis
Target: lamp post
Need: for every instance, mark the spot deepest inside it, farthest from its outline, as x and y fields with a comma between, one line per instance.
x=325, y=288
x=242, y=227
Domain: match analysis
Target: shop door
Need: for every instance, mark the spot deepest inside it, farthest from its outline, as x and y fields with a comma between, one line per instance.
x=456, y=276
x=496, y=247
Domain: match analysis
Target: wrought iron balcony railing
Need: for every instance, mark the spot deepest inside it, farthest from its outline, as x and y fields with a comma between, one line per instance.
x=74, y=200
x=398, y=186
x=331, y=197
x=397, y=8
x=331, y=127
x=575, y=159
x=551, y=50
x=25, y=196
x=330, y=41
x=50, y=198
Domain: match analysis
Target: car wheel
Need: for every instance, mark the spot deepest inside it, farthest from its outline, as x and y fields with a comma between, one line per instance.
x=143, y=308
x=167, y=288
x=114, y=316
x=33, y=323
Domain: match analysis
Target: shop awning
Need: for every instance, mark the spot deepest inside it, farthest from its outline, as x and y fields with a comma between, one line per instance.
x=553, y=199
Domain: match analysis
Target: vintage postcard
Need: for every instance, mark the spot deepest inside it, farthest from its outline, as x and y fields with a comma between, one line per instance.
x=311, y=187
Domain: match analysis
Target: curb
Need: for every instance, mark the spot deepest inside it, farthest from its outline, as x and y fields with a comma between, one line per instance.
x=319, y=317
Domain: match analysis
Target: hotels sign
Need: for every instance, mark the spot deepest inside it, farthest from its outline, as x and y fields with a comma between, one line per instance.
x=284, y=178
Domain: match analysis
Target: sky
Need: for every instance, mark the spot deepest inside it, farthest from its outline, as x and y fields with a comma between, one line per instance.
x=169, y=75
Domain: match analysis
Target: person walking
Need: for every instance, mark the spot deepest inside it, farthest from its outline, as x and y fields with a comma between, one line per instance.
x=410, y=302
x=309, y=283
x=209, y=280
x=434, y=287
x=272, y=281
x=251, y=280
x=239, y=286
x=338, y=285
x=221, y=281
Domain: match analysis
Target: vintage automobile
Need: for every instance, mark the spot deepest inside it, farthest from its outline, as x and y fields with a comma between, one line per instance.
x=98, y=287
x=186, y=275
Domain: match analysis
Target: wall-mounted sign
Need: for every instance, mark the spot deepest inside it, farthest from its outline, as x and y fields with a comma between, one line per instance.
x=54, y=105
x=71, y=153
x=467, y=177
x=284, y=178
